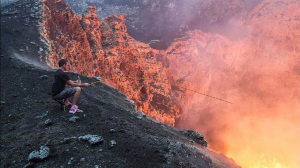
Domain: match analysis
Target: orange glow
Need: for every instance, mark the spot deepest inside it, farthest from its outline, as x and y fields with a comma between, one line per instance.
x=259, y=74
x=104, y=48
x=270, y=140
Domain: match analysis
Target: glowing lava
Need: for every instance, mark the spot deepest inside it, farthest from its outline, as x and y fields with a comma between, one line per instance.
x=104, y=48
x=259, y=74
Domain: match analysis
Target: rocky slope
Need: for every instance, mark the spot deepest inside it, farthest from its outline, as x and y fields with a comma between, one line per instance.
x=110, y=132
x=105, y=49
x=94, y=48
x=255, y=71
x=6, y=2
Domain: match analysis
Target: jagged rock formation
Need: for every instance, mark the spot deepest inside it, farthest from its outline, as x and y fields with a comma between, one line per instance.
x=158, y=22
x=62, y=34
x=95, y=48
x=255, y=70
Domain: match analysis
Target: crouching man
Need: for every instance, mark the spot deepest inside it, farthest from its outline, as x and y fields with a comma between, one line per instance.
x=60, y=89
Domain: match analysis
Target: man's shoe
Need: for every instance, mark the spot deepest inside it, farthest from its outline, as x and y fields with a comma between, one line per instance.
x=73, y=109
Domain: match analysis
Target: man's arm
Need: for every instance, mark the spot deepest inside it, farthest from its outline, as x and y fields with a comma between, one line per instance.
x=73, y=84
x=78, y=80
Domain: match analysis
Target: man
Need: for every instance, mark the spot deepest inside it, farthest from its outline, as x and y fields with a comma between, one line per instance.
x=60, y=90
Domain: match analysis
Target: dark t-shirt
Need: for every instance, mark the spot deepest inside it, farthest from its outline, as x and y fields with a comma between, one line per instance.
x=60, y=81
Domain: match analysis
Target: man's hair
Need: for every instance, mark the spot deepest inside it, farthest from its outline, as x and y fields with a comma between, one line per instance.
x=62, y=62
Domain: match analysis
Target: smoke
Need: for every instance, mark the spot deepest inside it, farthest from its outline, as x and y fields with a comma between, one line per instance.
x=260, y=75
x=33, y=62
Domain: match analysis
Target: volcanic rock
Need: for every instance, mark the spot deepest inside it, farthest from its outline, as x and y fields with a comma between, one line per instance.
x=165, y=85
x=44, y=76
x=142, y=137
x=71, y=160
x=73, y=119
x=29, y=165
x=48, y=122
x=42, y=116
x=112, y=130
x=92, y=139
x=42, y=154
x=68, y=140
x=195, y=136
x=164, y=20
x=112, y=143
x=115, y=55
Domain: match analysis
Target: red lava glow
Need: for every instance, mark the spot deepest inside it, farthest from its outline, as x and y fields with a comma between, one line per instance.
x=259, y=74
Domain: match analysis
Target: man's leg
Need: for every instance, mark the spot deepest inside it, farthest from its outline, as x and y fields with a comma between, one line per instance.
x=76, y=95
x=67, y=102
x=65, y=94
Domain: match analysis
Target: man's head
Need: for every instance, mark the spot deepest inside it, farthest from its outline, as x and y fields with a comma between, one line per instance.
x=62, y=64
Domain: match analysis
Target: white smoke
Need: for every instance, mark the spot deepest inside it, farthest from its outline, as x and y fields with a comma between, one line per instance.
x=33, y=62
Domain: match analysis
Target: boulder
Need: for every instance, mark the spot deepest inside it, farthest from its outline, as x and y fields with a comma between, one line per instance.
x=48, y=122
x=44, y=77
x=92, y=139
x=42, y=154
x=73, y=119
x=112, y=143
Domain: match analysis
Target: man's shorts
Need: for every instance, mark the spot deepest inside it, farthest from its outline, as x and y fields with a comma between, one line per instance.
x=69, y=92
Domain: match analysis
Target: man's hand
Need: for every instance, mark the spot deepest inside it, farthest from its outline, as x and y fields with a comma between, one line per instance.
x=79, y=81
x=86, y=84
x=98, y=78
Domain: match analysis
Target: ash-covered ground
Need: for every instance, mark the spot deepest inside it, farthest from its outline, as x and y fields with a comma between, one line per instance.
x=35, y=132
x=31, y=120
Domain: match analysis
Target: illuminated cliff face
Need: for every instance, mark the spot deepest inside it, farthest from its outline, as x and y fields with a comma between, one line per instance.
x=259, y=73
x=95, y=48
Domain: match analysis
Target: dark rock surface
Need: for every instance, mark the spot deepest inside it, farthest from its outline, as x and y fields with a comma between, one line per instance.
x=7, y=2
x=139, y=141
x=20, y=23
